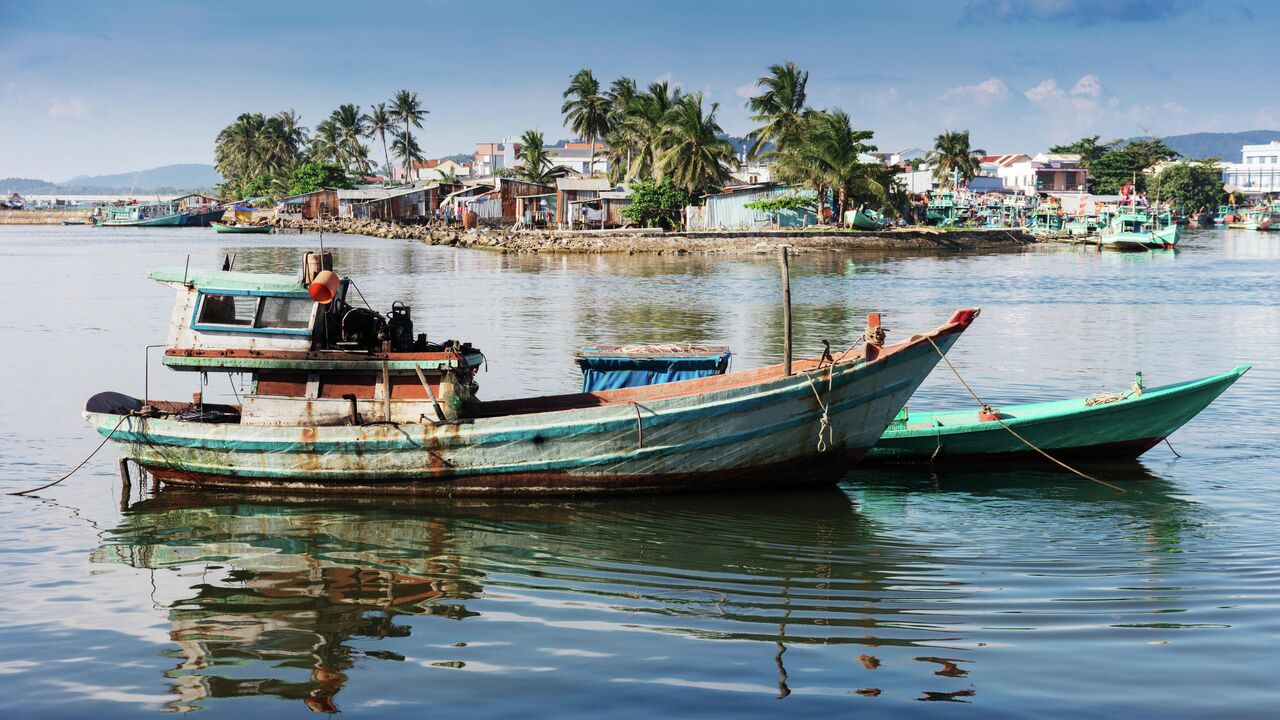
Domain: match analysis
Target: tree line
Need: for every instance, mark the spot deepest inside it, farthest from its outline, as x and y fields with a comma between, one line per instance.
x=276, y=155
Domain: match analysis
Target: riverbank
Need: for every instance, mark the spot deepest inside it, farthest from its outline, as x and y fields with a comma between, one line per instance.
x=660, y=243
x=42, y=217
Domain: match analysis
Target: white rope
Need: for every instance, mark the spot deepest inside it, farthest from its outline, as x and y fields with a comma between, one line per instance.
x=825, y=432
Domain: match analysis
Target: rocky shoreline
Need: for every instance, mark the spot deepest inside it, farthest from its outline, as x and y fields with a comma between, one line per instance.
x=505, y=239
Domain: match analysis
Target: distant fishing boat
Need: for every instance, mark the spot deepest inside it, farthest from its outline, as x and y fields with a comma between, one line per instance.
x=1134, y=227
x=153, y=215
x=1047, y=219
x=1256, y=219
x=1114, y=426
x=254, y=229
x=345, y=399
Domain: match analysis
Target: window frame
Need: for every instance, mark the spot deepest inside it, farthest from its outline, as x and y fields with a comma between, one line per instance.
x=201, y=293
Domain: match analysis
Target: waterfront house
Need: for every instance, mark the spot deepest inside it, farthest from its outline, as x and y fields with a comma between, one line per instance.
x=1258, y=170
x=727, y=210
x=574, y=190
x=309, y=206
x=1056, y=172
x=577, y=156
x=412, y=204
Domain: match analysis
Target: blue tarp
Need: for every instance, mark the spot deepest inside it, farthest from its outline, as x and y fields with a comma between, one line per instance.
x=613, y=373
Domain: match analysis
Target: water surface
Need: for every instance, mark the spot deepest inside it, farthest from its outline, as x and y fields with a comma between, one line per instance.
x=959, y=594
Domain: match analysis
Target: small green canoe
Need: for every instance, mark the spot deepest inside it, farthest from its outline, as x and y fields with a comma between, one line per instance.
x=259, y=229
x=1120, y=426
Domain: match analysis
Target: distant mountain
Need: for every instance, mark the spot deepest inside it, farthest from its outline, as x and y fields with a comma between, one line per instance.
x=1224, y=146
x=28, y=186
x=189, y=176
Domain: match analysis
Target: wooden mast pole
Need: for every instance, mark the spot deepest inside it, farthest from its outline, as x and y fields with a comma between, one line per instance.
x=786, y=311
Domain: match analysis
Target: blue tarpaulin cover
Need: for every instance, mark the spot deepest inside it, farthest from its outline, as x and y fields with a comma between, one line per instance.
x=612, y=372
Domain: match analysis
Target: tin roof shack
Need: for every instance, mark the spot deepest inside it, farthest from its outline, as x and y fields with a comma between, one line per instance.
x=536, y=210
x=403, y=205
x=601, y=212
x=511, y=190
x=574, y=190
x=728, y=210
x=308, y=206
x=347, y=199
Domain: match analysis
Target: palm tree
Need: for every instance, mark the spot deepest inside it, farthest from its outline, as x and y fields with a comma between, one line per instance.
x=533, y=157
x=292, y=133
x=694, y=153
x=587, y=113
x=380, y=122
x=779, y=107
x=326, y=143
x=642, y=128
x=825, y=152
x=351, y=125
x=406, y=147
x=237, y=150
x=954, y=162
x=406, y=108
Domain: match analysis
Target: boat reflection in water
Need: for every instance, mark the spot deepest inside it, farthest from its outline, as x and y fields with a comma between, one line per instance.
x=300, y=598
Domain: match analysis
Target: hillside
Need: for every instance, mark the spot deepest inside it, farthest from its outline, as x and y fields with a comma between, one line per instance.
x=1223, y=146
x=166, y=180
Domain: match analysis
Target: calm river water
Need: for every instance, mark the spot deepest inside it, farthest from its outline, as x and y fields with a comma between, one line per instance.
x=984, y=594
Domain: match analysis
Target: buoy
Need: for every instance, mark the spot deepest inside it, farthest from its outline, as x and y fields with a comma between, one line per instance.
x=325, y=287
x=988, y=414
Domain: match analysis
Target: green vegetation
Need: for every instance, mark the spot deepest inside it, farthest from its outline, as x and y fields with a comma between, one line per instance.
x=534, y=162
x=1089, y=149
x=1127, y=164
x=656, y=203
x=790, y=201
x=954, y=162
x=275, y=156
x=1190, y=186
x=585, y=110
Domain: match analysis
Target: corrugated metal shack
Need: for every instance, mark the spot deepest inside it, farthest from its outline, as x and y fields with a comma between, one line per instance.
x=728, y=210
x=574, y=190
x=308, y=205
x=509, y=192
x=401, y=205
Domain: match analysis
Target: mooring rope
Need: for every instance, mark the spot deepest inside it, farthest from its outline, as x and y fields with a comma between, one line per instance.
x=824, y=423
x=82, y=462
x=1013, y=432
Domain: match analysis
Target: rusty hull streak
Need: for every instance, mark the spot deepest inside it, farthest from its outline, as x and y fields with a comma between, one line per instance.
x=824, y=470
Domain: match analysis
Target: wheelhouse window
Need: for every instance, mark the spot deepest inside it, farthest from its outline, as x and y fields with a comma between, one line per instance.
x=253, y=312
x=240, y=310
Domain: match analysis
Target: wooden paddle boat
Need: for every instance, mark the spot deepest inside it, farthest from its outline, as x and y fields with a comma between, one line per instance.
x=248, y=229
x=1108, y=426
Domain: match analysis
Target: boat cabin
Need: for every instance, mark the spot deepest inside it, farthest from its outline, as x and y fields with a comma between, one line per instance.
x=311, y=362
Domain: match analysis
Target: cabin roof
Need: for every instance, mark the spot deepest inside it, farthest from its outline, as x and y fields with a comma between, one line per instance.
x=230, y=280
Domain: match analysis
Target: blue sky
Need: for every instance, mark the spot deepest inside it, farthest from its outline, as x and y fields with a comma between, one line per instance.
x=103, y=87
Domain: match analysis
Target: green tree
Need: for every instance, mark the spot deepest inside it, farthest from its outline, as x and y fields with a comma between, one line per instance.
x=1127, y=164
x=407, y=109
x=619, y=147
x=656, y=203
x=405, y=146
x=954, y=161
x=313, y=175
x=641, y=128
x=694, y=153
x=256, y=145
x=826, y=154
x=585, y=110
x=350, y=125
x=1191, y=186
x=380, y=123
x=779, y=107
x=533, y=157
x=1089, y=149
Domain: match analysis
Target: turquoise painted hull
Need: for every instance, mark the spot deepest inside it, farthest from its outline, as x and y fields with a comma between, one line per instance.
x=163, y=221
x=1166, y=238
x=756, y=427
x=1120, y=429
x=243, y=229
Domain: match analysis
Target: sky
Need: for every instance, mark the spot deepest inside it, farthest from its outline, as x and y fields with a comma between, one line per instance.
x=121, y=85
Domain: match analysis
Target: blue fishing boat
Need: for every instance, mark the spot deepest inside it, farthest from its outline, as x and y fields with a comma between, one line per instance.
x=346, y=399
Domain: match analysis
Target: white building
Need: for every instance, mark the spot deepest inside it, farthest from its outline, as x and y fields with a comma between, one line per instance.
x=1258, y=171
x=577, y=157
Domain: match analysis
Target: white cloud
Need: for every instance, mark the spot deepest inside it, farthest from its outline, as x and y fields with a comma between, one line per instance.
x=1045, y=91
x=667, y=78
x=984, y=94
x=746, y=92
x=1087, y=86
x=72, y=107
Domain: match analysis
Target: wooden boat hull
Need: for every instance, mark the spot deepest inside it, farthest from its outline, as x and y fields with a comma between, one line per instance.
x=162, y=221
x=245, y=229
x=1123, y=429
x=1166, y=238
x=756, y=427
x=863, y=221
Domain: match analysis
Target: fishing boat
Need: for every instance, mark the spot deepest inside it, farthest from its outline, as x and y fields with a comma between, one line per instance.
x=865, y=219
x=224, y=228
x=1113, y=426
x=153, y=215
x=1264, y=218
x=1137, y=227
x=346, y=399
x=1047, y=219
